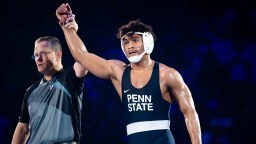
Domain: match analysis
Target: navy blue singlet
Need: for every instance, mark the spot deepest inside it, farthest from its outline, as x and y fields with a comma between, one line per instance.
x=147, y=113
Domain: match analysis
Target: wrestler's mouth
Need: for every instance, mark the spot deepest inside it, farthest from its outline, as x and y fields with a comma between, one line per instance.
x=133, y=53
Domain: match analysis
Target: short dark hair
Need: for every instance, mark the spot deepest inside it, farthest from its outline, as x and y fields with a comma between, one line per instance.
x=134, y=26
x=55, y=43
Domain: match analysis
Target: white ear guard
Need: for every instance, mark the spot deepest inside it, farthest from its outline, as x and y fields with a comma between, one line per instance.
x=148, y=41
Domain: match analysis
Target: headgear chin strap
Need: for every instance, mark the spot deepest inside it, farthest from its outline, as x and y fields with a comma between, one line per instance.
x=137, y=58
x=148, y=42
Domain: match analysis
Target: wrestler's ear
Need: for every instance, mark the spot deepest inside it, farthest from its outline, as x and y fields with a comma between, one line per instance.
x=148, y=41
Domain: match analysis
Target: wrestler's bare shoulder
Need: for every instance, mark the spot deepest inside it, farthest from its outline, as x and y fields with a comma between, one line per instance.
x=118, y=64
x=169, y=73
x=166, y=69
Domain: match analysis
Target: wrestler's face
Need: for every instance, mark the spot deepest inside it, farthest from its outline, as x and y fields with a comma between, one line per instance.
x=133, y=45
x=45, y=57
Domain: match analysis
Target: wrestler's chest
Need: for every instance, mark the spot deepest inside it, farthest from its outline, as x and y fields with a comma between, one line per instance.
x=140, y=79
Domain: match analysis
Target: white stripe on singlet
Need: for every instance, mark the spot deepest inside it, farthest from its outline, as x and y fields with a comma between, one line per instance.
x=147, y=126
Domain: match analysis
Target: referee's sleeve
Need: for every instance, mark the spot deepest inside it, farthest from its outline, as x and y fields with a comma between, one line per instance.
x=24, y=115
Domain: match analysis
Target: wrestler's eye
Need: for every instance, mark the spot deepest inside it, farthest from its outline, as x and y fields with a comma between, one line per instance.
x=125, y=42
x=135, y=40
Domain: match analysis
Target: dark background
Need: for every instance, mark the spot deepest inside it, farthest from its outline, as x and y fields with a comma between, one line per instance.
x=211, y=43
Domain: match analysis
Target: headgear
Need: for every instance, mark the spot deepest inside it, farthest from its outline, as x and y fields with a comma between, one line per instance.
x=148, y=42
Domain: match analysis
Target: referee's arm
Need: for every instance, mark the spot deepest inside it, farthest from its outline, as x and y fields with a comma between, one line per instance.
x=21, y=133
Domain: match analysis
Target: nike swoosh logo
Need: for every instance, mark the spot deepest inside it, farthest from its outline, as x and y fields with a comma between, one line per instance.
x=125, y=91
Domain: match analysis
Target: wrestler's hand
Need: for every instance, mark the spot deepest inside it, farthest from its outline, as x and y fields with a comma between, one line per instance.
x=62, y=13
x=71, y=22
